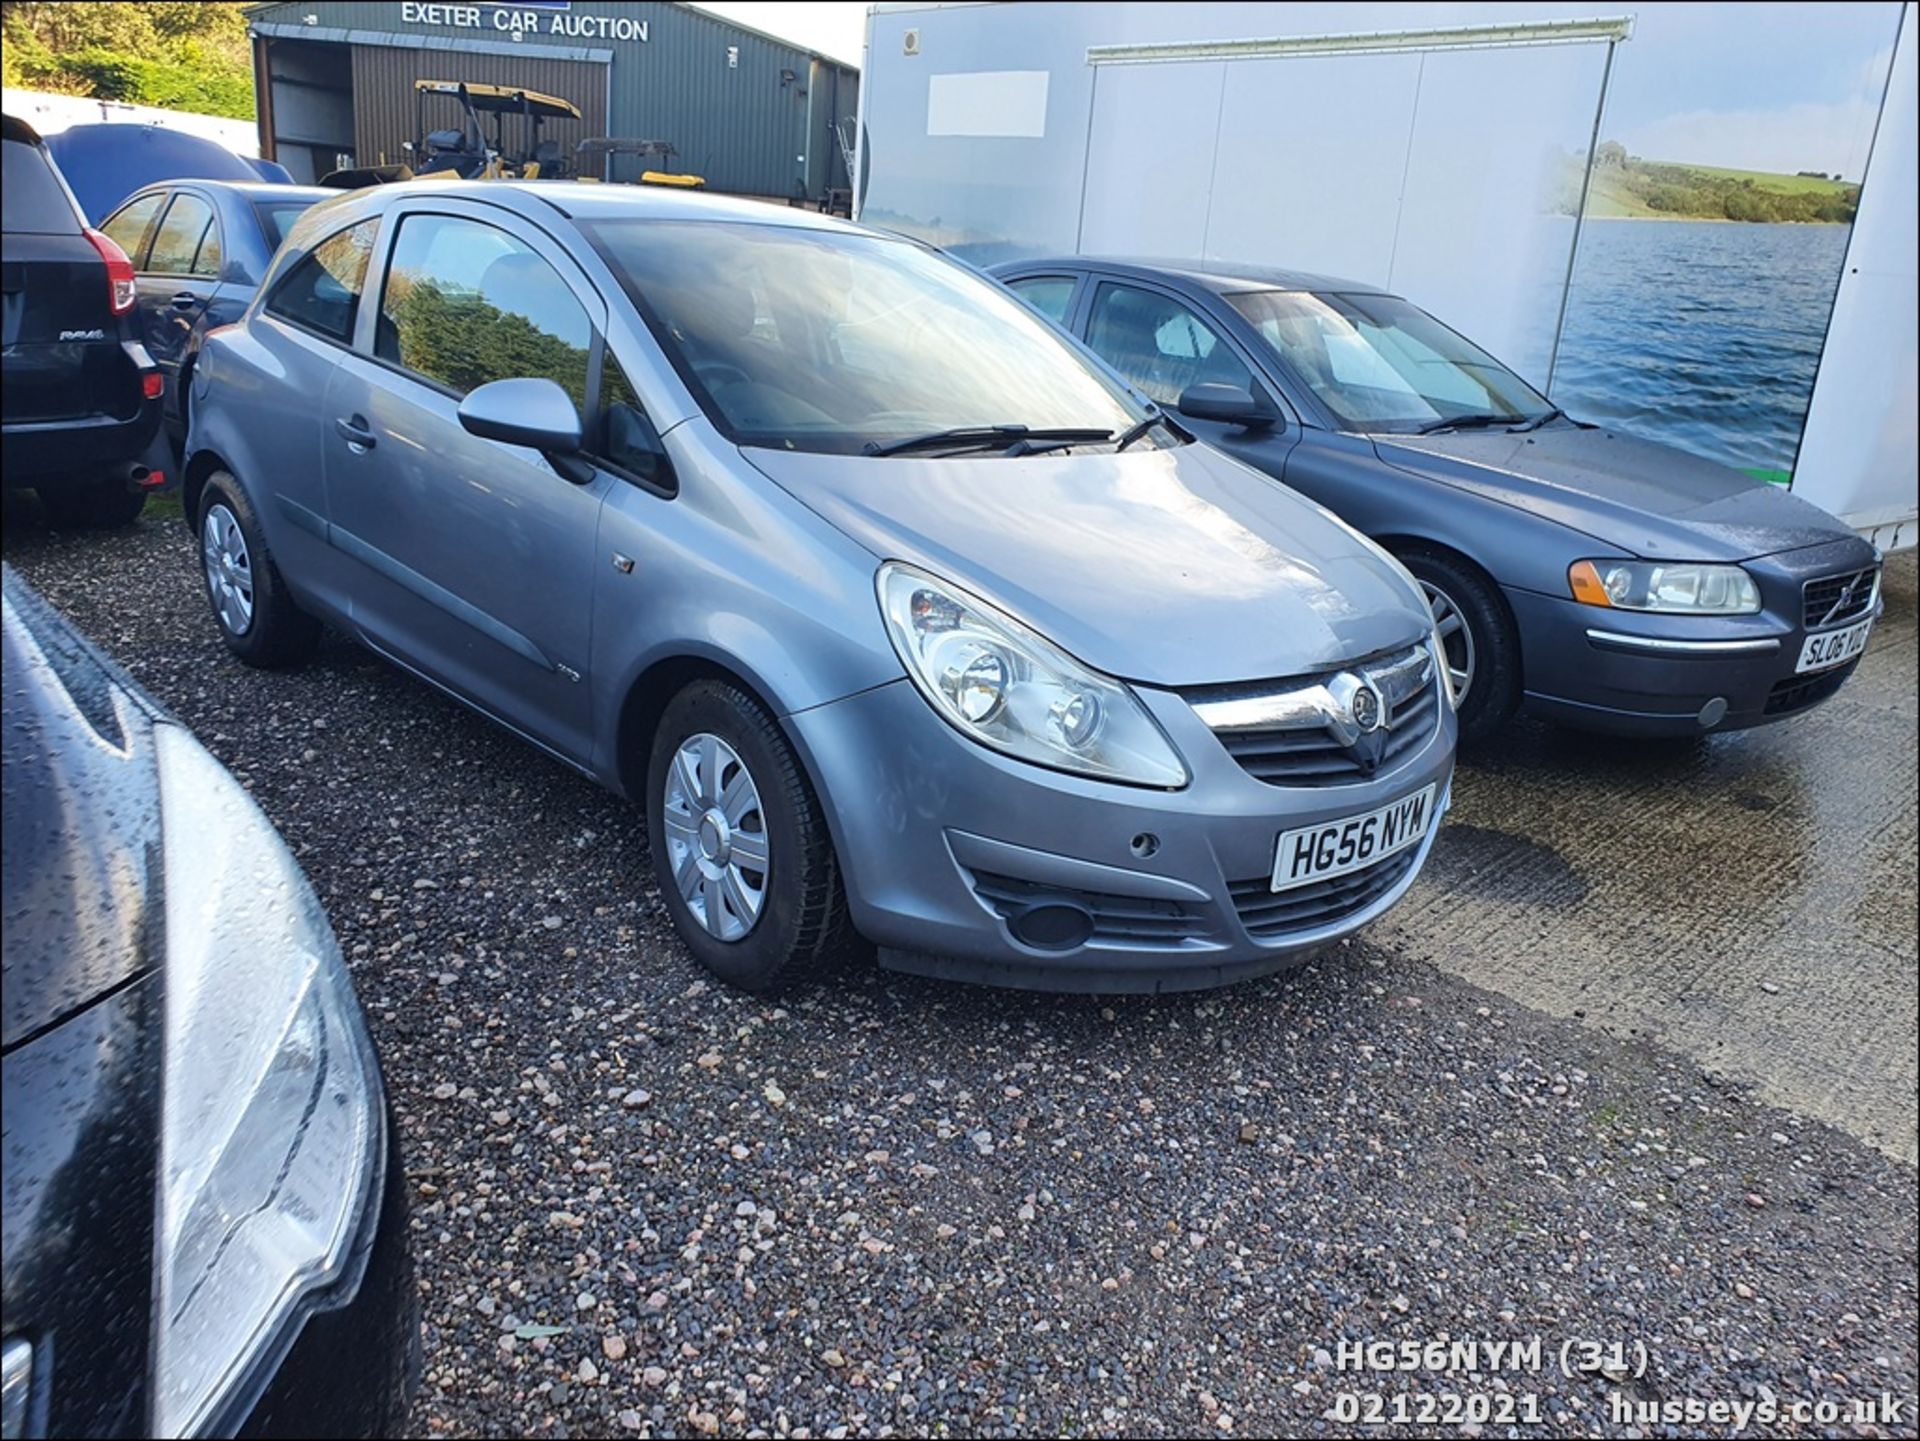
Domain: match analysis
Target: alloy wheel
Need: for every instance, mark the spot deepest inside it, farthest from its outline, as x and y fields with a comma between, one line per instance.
x=229, y=568
x=1456, y=638
x=716, y=836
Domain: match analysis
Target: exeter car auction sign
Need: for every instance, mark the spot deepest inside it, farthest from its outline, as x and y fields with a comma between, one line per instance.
x=557, y=21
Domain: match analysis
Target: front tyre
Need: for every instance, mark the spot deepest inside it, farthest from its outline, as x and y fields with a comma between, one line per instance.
x=257, y=617
x=739, y=844
x=1478, y=636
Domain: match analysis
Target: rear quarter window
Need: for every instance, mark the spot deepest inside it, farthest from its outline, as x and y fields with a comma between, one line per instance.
x=1048, y=294
x=33, y=199
x=322, y=293
x=277, y=219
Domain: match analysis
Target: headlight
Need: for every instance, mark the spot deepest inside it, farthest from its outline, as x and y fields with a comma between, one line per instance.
x=1006, y=686
x=272, y=1129
x=1652, y=585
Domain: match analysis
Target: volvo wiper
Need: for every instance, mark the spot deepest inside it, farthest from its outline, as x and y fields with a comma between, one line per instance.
x=986, y=437
x=1139, y=428
x=1464, y=422
x=1541, y=419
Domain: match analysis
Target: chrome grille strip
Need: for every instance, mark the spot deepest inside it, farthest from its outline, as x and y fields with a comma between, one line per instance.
x=1313, y=704
x=1305, y=733
x=1832, y=600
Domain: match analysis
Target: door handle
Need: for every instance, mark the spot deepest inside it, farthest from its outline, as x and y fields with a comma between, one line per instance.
x=185, y=300
x=355, y=430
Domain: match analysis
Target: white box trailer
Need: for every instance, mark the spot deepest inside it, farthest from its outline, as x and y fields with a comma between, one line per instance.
x=1448, y=152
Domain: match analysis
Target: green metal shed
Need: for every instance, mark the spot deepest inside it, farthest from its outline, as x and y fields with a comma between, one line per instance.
x=752, y=114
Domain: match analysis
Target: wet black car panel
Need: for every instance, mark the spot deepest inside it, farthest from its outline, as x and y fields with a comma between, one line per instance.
x=82, y=826
x=82, y=1078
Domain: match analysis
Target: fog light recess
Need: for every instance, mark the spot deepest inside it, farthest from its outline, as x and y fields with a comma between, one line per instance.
x=1051, y=925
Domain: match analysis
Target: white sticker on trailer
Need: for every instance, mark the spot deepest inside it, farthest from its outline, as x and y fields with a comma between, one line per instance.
x=1010, y=104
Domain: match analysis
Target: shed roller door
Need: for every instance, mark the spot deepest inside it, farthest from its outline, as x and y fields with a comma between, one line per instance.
x=383, y=97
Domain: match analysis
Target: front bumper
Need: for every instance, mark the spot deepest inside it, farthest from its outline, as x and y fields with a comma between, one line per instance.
x=945, y=847
x=1632, y=673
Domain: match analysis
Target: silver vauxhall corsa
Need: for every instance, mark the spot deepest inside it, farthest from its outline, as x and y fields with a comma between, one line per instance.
x=905, y=620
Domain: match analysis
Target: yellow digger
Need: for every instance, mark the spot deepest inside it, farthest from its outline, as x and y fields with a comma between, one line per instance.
x=464, y=154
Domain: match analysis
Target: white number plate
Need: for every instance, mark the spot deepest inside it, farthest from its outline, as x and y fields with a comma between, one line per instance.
x=1834, y=647
x=1318, y=853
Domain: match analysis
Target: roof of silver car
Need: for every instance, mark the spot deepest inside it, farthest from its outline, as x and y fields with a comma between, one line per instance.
x=584, y=200
x=1221, y=276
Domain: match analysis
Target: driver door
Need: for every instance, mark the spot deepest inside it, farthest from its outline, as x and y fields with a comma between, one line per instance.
x=475, y=556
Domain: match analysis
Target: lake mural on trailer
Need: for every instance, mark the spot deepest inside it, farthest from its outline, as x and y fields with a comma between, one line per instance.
x=1704, y=335
x=1716, y=219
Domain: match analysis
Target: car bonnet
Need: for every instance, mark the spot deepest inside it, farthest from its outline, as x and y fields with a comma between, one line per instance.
x=1638, y=496
x=1169, y=567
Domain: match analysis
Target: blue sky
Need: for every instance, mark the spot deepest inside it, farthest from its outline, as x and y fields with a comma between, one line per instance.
x=1757, y=87
x=833, y=27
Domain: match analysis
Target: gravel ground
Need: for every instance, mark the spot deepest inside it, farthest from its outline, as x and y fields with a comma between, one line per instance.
x=646, y=1205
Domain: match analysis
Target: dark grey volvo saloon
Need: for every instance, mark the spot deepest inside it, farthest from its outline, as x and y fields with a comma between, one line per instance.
x=1599, y=580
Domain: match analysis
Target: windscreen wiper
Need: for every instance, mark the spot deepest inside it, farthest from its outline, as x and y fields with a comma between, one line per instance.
x=985, y=437
x=1140, y=427
x=1541, y=419
x=1464, y=422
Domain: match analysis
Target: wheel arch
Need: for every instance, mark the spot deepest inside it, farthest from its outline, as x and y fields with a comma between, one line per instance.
x=1482, y=721
x=193, y=480
x=1402, y=544
x=1401, y=541
x=650, y=693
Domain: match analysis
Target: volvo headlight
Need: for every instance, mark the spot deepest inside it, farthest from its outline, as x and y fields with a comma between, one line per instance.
x=1655, y=585
x=1006, y=686
x=272, y=1128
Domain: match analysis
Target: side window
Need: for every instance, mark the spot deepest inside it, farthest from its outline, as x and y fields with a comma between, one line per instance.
x=466, y=303
x=1048, y=294
x=628, y=439
x=322, y=292
x=178, y=239
x=1160, y=345
x=127, y=226
x=206, y=260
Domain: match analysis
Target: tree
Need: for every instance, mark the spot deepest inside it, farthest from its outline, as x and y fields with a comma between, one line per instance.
x=178, y=54
x=1611, y=154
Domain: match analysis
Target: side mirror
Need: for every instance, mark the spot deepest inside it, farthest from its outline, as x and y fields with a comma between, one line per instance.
x=1233, y=404
x=535, y=413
